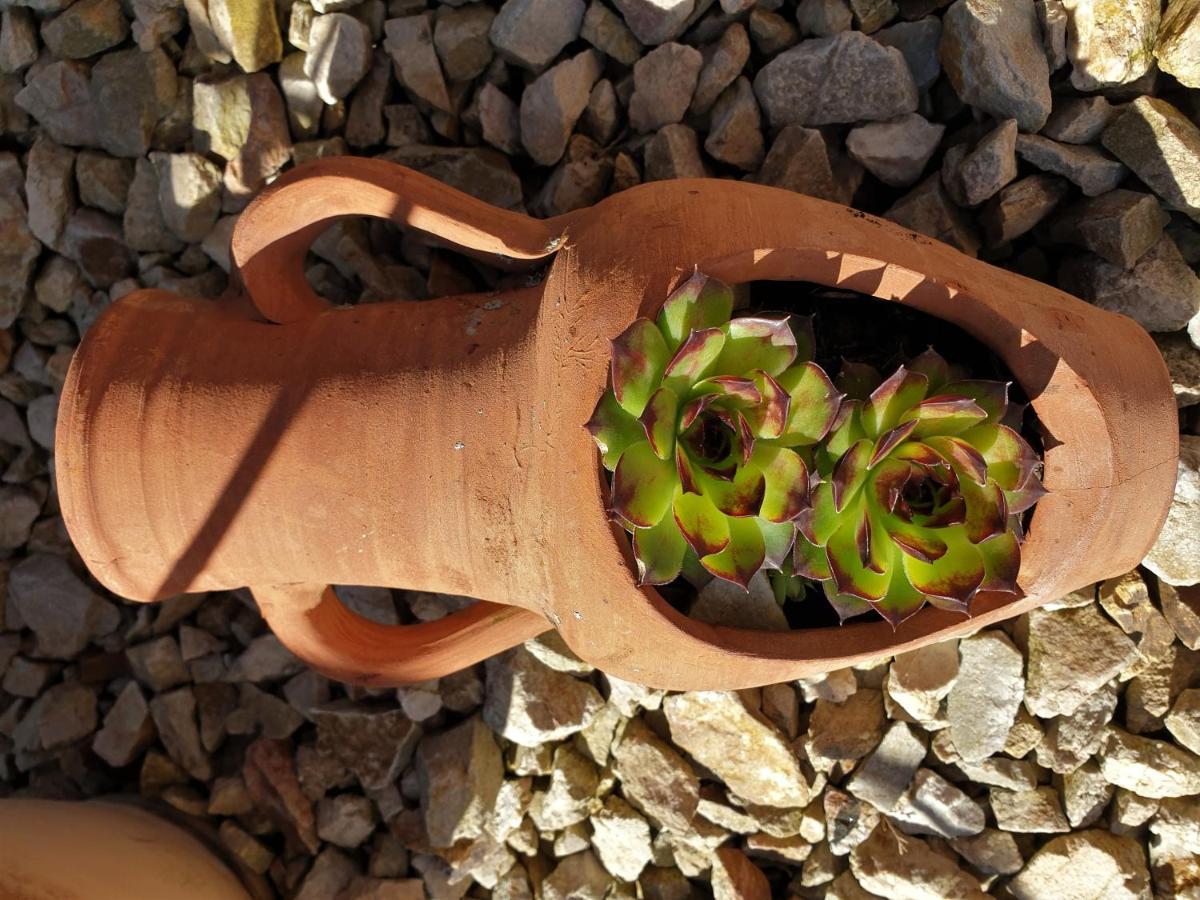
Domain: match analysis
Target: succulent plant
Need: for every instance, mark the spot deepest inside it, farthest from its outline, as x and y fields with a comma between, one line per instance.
x=707, y=429
x=921, y=485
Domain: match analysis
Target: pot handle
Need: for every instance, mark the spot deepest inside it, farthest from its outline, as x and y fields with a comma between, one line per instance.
x=274, y=232
x=315, y=625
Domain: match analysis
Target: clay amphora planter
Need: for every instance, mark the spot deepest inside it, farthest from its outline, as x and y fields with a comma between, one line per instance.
x=272, y=441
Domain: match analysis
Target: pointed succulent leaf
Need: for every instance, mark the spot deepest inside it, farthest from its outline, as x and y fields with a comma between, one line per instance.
x=917, y=452
x=704, y=526
x=639, y=356
x=745, y=437
x=888, y=480
x=694, y=359
x=856, y=380
x=1009, y=458
x=770, y=416
x=1026, y=495
x=741, y=497
x=987, y=510
x=953, y=512
x=845, y=552
x=809, y=560
x=851, y=473
x=991, y=396
x=846, y=606
x=693, y=408
x=945, y=415
x=967, y=462
x=934, y=367
x=889, y=441
x=685, y=471
x=902, y=390
x=806, y=341
x=1001, y=562
x=919, y=543
x=643, y=486
x=820, y=520
x=786, y=478
x=744, y=555
x=613, y=429
x=956, y=576
x=845, y=430
x=658, y=420
x=777, y=541
x=757, y=342
x=735, y=387
x=902, y=600
x=813, y=404
x=698, y=303
x=659, y=552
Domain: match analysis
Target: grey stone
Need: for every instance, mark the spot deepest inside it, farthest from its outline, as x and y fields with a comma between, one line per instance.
x=531, y=33
x=529, y=703
x=84, y=29
x=1071, y=653
x=479, y=171
x=304, y=104
x=983, y=702
x=1037, y=811
x=57, y=96
x=93, y=240
x=103, y=181
x=1183, y=362
x=889, y=769
x=847, y=730
x=724, y=60
x=655, y=778
x=339, y=55
x=971, y=177
x=848, y=821
x=771, y=33
x=919, y=42
x=674, y=152
x=746, y=752
x=1148, y=767
x=1177, y=47
x=722, y=602
x=1078, y=120
x=345, y=820
x=579, y=180
x=144, y=228
x=1094, y=864
x=49, y=190
x=156, y=20
x=135, y=89
x=896, y=151
x=128, y=729
x=1092, y=169
x=999, y=771
x=175, y=718
x=822, y=18
x=578, y=877
x=934, y=806
x=189, y=194
x=405, y=125
x=460, y=37
x=1052, y=16
x=376, y=744
x=1085, y=794
x=1020, y=206
x=1119, y=226
x=1070, y=740
x=663, y=83
x=157, y=663
x=991, y=851
x=62, y=611
x=1162, y=147
x=18, y=40
x=1110, y=46
x=1175, y=556
x=499, y=119
x=820, y=82
x=27, y=677
x=265, y=659
x=242, y=119
x=602, y=117
x=1160, y=293
x=553, y=103
x=570, y=796
x=364, y=119
x=1181, y=606
x=64, y=714
x=920, y=679
x=871, y=15
x=608, y=33
x=410, y=43
x=891, y=864
x=928, y=210
x=654, y=22
x=800, y=160
x=19, y=251
x=993, y=56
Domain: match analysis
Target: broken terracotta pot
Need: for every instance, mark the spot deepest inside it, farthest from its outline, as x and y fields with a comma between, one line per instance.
x=273, y=441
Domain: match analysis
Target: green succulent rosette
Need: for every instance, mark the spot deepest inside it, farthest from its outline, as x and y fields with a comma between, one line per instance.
x=707, y=429
x=921, y=485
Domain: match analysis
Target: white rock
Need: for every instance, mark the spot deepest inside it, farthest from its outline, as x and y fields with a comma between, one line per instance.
x=983, y=701
x=570, y=798
x=1183, y=721
x=1038, y=811
x=529, y=703
x=1085, y=794
x=849, y=730
x=459, y=772
x=722, y=602
x=888, y=771
x=621, y=838
x=893, y=865
x=1175, y=556
x=1148, y=767
x=895, y=151
x=1072, y=652
x=919, y=679
x=655, y=778
x=339, y=55
x=991, y=851
x=1087, y=865
x=932, y=805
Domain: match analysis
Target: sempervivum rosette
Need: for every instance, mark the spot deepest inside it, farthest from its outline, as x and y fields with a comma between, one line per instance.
x=706, y=429
x=922, y=484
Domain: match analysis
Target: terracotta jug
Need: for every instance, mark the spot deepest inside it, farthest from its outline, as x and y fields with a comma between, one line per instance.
x=271, y=440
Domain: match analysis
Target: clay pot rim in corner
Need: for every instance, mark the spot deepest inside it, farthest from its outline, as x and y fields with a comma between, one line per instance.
x=870, y=635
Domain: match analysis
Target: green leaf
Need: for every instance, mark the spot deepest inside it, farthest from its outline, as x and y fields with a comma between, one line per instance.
x=846, y=429
x=704, y=526
x=813, y=404
x=809, y=560
x=902, y=600
x=698, y=303
x=1009, y=457
x=659, y=419
x=1001, y=562
x=944, y=415
x=685, y=470
x=735, y=387
x=643, y=486
x=956, y=576
x=659, y=552
x=694, y=359
x=741, y=497
x=819, y=521
x=757, y=342
x=920, y=543
x=777, y=539
x=967, y=462
x=889, y=441
x=846, y=606
x=845, y=552
x=770, y=416
x=851, y=473
x=744, y=556
x=987, y=510
x=857, y=380
x=786, y=478
x=1026, y=495
x=990, y=396
x=806, y=341
x=933, y=367
x=639, y=357
x=901, y=391
x=613, y=429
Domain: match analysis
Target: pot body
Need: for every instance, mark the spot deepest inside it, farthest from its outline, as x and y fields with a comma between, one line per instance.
x=104, y=851
x=441, y=445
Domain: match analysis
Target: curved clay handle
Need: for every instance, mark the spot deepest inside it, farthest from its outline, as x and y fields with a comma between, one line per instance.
x=315, y=625
x=275, y=231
